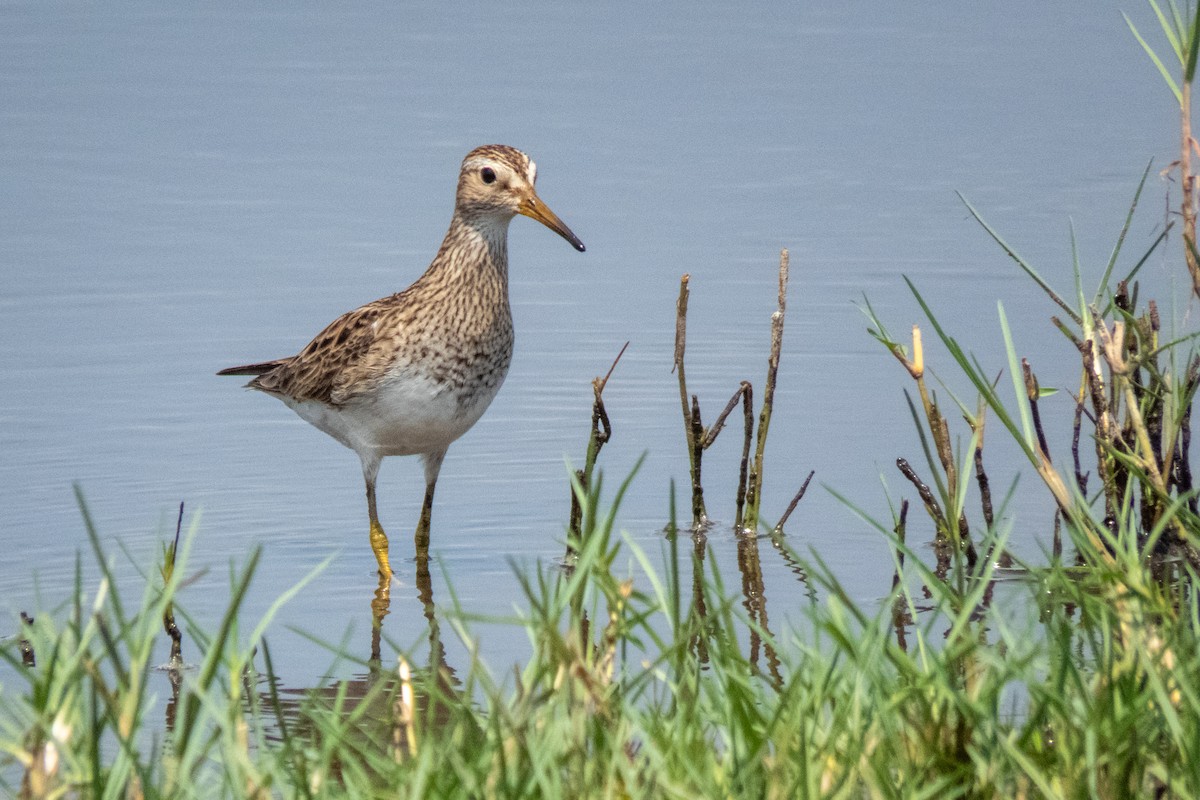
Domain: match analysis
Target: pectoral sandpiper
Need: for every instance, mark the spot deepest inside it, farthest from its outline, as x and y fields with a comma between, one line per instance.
x=410, y=373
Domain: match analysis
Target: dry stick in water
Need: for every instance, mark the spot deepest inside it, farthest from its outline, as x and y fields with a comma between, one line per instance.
x=795, y=502
x=1099, y=348
x=931, y=504
x=900, y=531
x=1081, y=478
x=703, y=438
x=696, y=442
x=1105, y=429
x=1141, y=450
x=1151, y=388
x=601, y=433
x=985, y=489
x=1148, y=328
x=937, y=423
x=1115, y=354
x=755, y=480
x=940, y=430
x=700, y=439
x=901, y=619
x=28, y=658
x=746, y=394
x=981, y=478
x=1056, y=547
x=699, y=515
x=1033, y=392
x=748, y=435
x=176, y=659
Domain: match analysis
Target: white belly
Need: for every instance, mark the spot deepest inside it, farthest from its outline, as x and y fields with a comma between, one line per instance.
x=406, y=414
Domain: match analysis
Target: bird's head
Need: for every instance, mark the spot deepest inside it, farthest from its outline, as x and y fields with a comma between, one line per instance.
x=498, y=181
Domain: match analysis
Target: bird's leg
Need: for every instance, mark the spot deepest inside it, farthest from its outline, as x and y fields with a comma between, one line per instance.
x=422, y=536
x=433, y=465
x=379, y=542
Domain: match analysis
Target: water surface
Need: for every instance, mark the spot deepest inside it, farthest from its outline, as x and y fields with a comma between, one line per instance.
x=186, y=189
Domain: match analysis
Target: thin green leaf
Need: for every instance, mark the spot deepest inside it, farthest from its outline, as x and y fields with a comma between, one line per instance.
x=1021, y=262
x=1166, y=75
x=1014, y=370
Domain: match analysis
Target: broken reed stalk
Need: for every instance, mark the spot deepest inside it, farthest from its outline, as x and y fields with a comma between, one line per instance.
x=985, y=488
x=175, y=662
x=1140, y=414
x=795, y=502
x=28, y=658
x=748, y=435
x=901, y=618
x=901, y=531
x=938, y=427
x=1140, y=440
x=600, y=434
x=959, y=532
x=1105, y=427
x=981, y=478
x=755, y=479
x=1056, y=545
x=924, y=492
x=1045, y=462
x=699, y=438
x=745, y=393
x=696, y=443
x=1033, y=392
x=1081, y=478
x=691, y=424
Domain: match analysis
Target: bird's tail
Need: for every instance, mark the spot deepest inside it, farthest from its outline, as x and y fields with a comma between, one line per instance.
x=251, y=369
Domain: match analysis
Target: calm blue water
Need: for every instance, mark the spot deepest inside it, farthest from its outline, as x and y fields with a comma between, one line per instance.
x=182, y=190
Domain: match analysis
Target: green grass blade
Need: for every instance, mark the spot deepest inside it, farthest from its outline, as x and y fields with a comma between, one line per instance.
x=1189, y=67
x=1014, y=370
x=1162, y=69
x=1021, y=262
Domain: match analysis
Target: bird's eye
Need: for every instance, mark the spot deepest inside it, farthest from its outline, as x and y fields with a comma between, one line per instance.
x=488, y=174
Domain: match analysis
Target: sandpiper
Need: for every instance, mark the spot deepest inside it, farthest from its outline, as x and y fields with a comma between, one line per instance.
x=410, y=373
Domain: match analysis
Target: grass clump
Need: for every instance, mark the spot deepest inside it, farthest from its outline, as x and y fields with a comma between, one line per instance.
x=640, y=686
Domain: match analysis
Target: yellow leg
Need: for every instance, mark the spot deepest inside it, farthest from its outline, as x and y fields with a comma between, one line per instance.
x=379, y=544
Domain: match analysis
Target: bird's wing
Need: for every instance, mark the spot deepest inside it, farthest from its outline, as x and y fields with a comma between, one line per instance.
x=349, y=357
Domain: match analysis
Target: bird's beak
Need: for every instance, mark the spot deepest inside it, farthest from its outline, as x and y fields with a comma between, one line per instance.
x=533, y=207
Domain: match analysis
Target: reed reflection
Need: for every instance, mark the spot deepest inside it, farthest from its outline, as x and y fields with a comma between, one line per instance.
x=754, y=600
x=753, y=596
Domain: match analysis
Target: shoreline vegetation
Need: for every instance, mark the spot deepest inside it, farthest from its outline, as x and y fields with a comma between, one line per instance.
x=649, y=677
